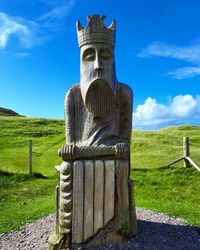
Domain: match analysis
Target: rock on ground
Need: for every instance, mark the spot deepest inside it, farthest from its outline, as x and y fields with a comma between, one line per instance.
x=155, y=231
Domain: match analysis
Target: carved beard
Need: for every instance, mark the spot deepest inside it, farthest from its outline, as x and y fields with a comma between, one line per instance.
x=100, y=98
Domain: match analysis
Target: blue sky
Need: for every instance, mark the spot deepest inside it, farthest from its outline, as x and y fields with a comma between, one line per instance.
x=157, y=54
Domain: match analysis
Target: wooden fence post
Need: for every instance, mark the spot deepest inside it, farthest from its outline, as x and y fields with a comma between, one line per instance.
x=186, y=151
x=188, y=162
x=30, y=157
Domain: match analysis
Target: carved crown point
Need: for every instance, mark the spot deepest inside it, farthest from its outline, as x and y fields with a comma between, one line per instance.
x=79, y=25
x=96, y=31
x=112, y=26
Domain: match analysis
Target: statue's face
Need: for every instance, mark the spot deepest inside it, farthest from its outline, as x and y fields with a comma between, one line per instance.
x=98, y=77
x=97, y=61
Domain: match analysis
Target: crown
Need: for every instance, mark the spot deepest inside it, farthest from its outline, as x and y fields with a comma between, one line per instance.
x=96, y=31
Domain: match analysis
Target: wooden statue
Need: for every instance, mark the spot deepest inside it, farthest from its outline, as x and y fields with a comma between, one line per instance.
x=96, y=205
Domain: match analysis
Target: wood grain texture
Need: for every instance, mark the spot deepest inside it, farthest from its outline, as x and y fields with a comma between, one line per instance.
x=109, y=194
x=88, y=199
x=99, y=195
x=78, y=205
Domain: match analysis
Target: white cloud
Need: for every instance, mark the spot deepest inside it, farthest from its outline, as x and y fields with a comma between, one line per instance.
x=185, y=72
x=11, y=26
x=189, y=54
x=182, y=109
x=31, y=33
x=58, y=12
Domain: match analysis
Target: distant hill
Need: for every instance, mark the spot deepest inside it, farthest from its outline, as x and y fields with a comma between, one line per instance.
x=8, y=112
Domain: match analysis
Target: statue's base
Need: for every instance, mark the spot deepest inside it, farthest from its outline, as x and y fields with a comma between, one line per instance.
x=56, y=243
x=102, y=239
x=106, y=236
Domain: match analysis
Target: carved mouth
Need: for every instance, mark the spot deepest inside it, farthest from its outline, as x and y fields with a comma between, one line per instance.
x=100, y=98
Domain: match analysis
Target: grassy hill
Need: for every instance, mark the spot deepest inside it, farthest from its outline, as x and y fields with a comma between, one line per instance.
x=173, y=190
x=7, y=112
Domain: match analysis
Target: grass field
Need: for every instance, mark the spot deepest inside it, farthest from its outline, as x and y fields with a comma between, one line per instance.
x=173, y=190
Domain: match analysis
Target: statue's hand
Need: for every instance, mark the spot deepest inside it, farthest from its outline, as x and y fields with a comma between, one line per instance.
x=122, y=151
x=67, y=152
x=72, y=152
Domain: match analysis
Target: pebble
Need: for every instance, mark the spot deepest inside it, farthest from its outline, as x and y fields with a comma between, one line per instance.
x=156, y=231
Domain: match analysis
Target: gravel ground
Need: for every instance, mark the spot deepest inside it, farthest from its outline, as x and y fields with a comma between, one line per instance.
x=156, y=231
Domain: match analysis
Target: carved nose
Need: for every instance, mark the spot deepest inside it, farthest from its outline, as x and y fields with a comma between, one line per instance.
x=98, y=65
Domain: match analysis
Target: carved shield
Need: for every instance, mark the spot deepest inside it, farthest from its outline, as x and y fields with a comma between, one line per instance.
x=93, y=197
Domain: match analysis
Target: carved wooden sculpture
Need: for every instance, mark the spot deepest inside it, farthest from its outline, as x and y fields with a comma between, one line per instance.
x=95, y=192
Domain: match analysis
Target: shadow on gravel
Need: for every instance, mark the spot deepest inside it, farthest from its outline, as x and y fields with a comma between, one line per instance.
x=152, y=235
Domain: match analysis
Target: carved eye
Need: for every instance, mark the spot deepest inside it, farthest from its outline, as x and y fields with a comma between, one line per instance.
x=105, y=54
x=89, y=54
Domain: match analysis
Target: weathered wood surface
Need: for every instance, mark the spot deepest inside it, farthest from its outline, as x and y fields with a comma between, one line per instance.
x=98, y=125
x=173, y=162
x=30, y=157
x=193, y=163
x=98, y=199
x=65, y=198
x=186, y=151
x=109, y=200
x=93, y=197
x=88, y=199
x=78, y=208
x=57, y=209
x=122, y=171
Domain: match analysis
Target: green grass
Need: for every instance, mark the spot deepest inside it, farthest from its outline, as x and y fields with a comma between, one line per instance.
x=24, y=198
x=47, y=135
x=173, y=190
